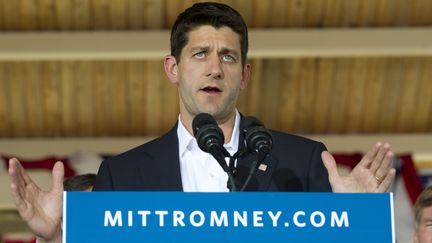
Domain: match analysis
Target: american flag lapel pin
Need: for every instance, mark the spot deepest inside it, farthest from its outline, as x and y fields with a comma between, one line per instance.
x=262, y=167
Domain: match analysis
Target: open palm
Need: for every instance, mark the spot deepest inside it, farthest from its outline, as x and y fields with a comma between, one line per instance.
x=374, y=173
x=41, y=210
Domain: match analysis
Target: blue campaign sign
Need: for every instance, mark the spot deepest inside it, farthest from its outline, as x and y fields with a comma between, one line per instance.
x=227, y=217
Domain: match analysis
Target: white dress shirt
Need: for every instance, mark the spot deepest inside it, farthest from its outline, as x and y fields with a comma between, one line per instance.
x=200, y=172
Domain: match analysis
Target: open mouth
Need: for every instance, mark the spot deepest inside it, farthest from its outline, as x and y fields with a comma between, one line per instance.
x=211, y=90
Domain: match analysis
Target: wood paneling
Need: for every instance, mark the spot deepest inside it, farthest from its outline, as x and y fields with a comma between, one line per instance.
x=84, y=96
x=4, y=101
x=124, y=98
x=18, y=117
x=68, y=115
x=101, y=14
x=151, y=14
x=356, y=94
x=30, y=13
x=47, y=17
x=118, y=14
x=64, y=15
x=407, y=101
x=325, y=73
x=137, y=97
x=341, y=95
x=81, y=14
x=423, y=112
x=373, y=95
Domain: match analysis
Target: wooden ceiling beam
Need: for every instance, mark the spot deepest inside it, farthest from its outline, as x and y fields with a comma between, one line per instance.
x=275, y=43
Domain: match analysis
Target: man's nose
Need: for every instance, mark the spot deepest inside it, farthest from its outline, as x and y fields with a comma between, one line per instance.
x=214, y=67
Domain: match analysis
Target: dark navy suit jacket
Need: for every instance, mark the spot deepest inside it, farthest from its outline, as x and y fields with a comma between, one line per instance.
x=294, y=164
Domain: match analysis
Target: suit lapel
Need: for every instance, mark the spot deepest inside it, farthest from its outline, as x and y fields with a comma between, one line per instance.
x=165, y=158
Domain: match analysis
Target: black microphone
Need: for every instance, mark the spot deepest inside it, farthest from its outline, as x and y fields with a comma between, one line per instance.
x=257, y=138
x=210, y=139
x=258, y=141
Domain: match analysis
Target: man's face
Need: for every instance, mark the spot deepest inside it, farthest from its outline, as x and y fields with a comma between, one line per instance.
x=423, y=233
x=210, y=73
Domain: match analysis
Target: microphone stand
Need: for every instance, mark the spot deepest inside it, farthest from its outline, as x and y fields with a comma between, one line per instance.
x=254, y=166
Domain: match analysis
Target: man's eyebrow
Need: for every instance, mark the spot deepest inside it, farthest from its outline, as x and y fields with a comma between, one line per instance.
x=229, y=51
x=199, y=48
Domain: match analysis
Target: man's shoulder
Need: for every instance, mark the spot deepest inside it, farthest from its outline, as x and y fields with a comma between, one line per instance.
x=148, y=149
x=277, y=135
x=287, y=140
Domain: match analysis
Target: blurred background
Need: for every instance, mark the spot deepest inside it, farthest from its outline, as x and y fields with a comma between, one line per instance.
x=83, y=79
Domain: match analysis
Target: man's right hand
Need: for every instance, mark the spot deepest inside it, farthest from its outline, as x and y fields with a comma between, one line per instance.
x=42, y=211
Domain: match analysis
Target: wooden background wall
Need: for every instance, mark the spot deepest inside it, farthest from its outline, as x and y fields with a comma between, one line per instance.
x=74, y=98
x=27, y=15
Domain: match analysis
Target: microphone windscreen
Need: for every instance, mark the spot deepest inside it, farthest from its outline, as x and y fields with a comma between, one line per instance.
x=201, y=120
x=256, y=136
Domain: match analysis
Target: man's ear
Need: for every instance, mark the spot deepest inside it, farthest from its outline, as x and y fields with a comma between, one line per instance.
x=245, y=76
x=170, y=65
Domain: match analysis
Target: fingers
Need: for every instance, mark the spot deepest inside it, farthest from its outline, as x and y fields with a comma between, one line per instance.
x=387, y=182
x=57, y=177
x=370, y=155
x=330, y=164
x=17, y=185
x=381, y=156
x=378, y=158
x=16, y=172
x=384, y=166
x=385, y=173
x=381, y=167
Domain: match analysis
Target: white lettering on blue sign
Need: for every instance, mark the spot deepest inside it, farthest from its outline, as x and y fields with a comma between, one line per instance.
x=258, y=219
x=218, y=219
x=240, y=219
x=178, y=217
x=201, y=218
x=296, y=219
x=143, y=214
x=130, y=221
x=116, y=221
x=317, y=219
x=161, y=217
x=339, y=221
x=274, y=217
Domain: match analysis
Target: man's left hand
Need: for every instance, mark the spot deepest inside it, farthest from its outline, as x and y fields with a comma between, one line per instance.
x=374, y=173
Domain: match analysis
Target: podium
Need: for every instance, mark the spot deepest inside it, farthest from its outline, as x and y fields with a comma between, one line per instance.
x=227, y=217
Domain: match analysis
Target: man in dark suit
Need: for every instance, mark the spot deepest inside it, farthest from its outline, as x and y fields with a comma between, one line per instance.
x=208, y=64
x=294, y=164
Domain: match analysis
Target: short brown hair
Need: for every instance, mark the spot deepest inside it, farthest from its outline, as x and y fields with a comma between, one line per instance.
x=207, y=13
x=423, y=201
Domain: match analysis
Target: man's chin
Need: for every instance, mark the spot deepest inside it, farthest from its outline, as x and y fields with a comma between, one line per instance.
x=218, y=111
x=218, y=115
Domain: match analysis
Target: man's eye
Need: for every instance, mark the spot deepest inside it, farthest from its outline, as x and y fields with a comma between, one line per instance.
x=199, y=55
x=228, y=58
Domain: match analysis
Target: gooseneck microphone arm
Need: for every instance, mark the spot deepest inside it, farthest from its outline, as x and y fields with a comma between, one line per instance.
x=210, y=139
